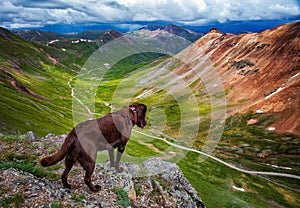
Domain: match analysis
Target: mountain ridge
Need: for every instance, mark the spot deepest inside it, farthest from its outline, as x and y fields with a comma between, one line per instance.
x=46, y=37
x=98, y=35
x=175, y=30
x=255, y=65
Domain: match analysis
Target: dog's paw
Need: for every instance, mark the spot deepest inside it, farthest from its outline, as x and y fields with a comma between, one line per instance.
x=95, y=188
x=119, y=169
x=66, y=185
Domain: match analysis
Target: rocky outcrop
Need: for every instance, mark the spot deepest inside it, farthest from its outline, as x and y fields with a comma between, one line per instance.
x=180, y=188
x=156, y=183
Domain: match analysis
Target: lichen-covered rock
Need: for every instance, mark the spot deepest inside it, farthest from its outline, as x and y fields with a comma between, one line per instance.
x=181, y=189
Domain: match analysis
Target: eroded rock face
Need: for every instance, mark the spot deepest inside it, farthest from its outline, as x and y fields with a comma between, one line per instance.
x=156, y=183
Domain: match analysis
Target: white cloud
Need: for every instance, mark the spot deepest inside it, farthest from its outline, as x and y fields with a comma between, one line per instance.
x=285, y=9
x=16, y=13
x=24, y=25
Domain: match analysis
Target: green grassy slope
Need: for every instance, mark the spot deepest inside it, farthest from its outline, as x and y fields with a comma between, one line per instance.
x=217, y=186
x=43, y=71
x=42, y=100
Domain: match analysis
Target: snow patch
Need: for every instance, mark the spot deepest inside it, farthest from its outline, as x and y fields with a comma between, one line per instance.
x=281, y=167
x=239, y=189
x=51, y=42
x=106, y=65
x=259, y=111
x=271, y=128
x=282, y=86
x=252, y=121
x=274, y=93
x=81, y=40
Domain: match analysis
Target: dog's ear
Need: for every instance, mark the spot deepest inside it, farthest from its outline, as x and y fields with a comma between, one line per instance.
x=143, y=108
x=134, y=105
x=139, y=107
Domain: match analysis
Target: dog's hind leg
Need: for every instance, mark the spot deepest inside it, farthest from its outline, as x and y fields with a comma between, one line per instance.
x=88, y=165
x=89, y=168
x=69, y=162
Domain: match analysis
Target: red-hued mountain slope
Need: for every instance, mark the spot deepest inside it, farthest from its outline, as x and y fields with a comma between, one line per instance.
x=260, y=71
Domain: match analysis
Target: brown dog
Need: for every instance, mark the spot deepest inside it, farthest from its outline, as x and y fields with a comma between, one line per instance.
x=106, y=133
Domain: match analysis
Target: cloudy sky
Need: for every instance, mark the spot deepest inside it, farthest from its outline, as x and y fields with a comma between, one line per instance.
x=16, y=14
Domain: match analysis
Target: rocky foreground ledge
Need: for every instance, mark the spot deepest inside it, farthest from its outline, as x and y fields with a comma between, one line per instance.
x=162, y=184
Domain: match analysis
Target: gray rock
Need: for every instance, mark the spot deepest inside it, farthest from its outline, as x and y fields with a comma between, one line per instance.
x=132, y=169
x=155, y=165
x=49, y=136
x=181, y=188
x=32, y=135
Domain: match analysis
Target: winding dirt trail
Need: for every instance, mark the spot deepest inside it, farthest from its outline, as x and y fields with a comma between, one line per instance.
x=221, y=161
x=76, y=98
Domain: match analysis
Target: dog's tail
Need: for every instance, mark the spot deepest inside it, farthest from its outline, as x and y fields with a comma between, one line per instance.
x=60, y=154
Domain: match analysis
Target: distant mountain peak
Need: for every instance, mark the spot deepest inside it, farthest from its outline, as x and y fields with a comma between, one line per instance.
x=151, y=27
x=215, y=30
x=172, y=26
x=175, y=30
x=113, y=32
x=108, y=36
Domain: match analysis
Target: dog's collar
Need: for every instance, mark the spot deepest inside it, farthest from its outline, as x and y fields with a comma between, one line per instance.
x=135, y=115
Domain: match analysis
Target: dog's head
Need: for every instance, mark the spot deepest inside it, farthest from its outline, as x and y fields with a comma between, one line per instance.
x=141, y=110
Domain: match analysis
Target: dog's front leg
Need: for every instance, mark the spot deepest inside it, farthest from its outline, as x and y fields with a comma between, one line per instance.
x=120, y=151
x=117, y=164
x=111, y=157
